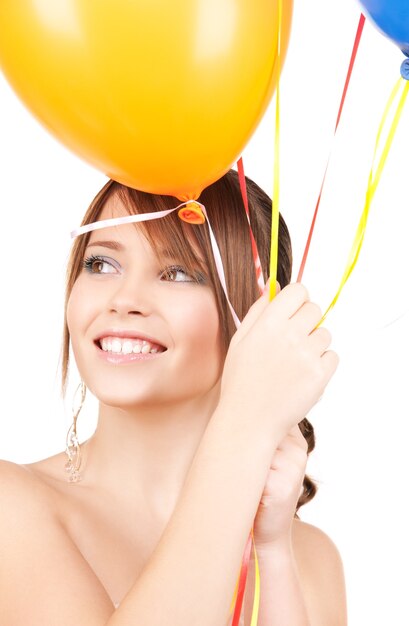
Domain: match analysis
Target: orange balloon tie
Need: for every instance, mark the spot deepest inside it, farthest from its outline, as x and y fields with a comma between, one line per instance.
x=192, y=213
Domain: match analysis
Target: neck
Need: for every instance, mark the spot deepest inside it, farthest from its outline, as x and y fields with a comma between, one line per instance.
x=146, y=452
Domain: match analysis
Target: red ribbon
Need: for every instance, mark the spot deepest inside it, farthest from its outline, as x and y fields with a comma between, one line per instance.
x=344, y=93
x=256, y=257
x=242, y=582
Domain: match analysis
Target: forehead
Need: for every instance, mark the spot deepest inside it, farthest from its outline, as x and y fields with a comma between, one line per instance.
x=113, y=208
x=167, y=236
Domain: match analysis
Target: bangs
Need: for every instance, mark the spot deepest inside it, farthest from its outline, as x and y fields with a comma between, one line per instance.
x=170, y=238
x=189, y=244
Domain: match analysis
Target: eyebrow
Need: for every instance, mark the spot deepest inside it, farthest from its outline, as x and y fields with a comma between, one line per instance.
x=115, y=245
x=112, y=245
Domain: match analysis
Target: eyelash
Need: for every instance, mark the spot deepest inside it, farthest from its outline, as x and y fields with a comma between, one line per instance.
x=88, y=263
x=197, y=277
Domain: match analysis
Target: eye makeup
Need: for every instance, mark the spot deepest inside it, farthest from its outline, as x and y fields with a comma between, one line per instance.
x=170, y=273
x=93, y=260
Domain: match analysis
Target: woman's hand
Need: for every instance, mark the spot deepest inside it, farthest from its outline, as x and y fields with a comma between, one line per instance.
x=273, y=521
x=278, y=363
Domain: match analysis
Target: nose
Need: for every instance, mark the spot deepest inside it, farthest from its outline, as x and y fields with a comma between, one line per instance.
x=132, y=296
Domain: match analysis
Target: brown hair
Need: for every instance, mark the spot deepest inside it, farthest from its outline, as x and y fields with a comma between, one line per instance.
x=224, y=206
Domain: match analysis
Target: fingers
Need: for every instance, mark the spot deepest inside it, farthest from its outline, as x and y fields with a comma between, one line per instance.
x=320, y=339
x=291, y=303
x=306, y=318
x=330, y=360
x=279, y=340
x=256, y=310
x=294, y=438
x=285, y=304
x=290, y=299
x=293, y=448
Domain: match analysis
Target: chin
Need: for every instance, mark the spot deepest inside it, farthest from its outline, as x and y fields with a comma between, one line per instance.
x=128, y=399
x=133, y=403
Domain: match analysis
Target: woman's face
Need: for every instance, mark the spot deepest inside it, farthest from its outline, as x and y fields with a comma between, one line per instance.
x=142, y=332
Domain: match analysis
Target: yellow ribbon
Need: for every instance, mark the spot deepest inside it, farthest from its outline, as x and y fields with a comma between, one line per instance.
x=256, y=603
x=273, y=278
x=373, y=181
x=256, y=600
x=276, y=182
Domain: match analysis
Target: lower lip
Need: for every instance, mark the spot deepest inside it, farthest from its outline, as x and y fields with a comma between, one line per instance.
x=122, y=359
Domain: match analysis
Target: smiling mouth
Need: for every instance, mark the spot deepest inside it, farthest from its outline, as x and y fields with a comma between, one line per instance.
x=123, y=345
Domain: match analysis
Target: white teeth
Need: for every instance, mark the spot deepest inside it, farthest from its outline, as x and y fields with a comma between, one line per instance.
x=127, y=347
x=117, y=345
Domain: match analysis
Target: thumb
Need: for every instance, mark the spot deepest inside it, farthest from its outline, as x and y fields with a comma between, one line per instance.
x=267, y=287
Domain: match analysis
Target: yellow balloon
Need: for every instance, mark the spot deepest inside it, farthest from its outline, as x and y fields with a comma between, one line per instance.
x=161, y=95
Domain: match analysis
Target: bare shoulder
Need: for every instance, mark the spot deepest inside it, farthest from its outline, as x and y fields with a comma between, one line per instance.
x=43, y=577
x=321, y=574
x=17, y=481
x=22, y=494
x=311, y=542
x=10, y=470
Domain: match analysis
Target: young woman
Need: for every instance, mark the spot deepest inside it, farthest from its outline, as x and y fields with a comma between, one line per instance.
x=201, y=433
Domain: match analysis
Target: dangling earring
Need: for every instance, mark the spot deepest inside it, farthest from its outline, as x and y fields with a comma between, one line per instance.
x=72, y=446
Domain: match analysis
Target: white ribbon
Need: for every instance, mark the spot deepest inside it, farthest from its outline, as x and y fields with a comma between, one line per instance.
x=143, y=217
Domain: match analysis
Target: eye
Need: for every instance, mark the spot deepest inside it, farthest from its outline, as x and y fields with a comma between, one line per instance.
x=98, y=265
x=177, y=274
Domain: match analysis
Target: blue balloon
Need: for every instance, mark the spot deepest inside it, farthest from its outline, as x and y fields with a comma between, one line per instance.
x=392, y=17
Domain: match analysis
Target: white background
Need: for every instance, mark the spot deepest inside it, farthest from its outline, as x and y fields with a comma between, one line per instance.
x=361, y=424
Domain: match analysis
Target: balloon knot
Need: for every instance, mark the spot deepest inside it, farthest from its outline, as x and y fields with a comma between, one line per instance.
x=192, y=213
x=404, y=69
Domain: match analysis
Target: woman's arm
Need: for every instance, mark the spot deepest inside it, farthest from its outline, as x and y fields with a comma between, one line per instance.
x=301, y=582
x=191, y=576
x=275, y=370
x=281, y=596
x=301, y=574
x=282, y=601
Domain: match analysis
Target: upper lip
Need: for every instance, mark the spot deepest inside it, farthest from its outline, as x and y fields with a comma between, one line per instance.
x=128, y=334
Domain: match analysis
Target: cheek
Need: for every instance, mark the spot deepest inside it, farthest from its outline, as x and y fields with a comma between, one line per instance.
x=80, y=306
x=201, y=330
x=70, y=311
